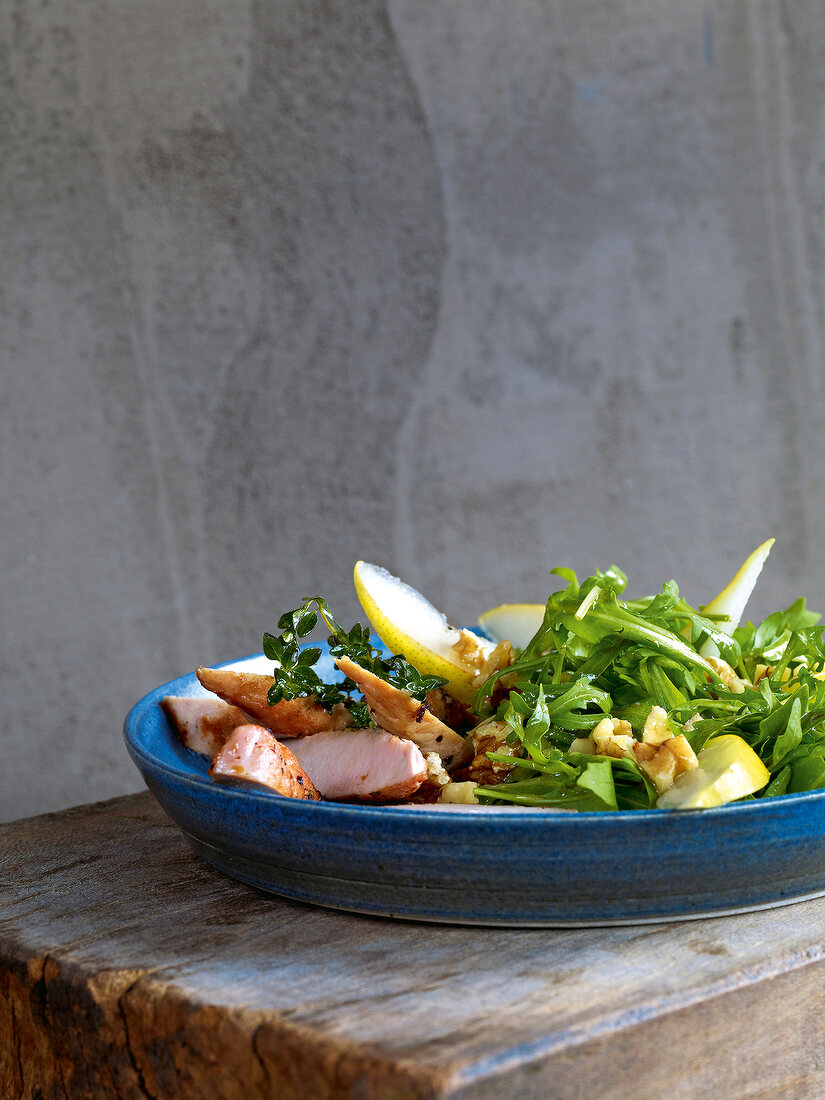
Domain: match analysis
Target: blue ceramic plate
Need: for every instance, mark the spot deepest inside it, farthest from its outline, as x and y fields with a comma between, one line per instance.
x=483, y=865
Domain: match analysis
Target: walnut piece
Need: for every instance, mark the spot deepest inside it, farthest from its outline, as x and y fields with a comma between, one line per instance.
x=664, y=762
x=656, y=728
x=726, y=674
x=491, y=736
x=469, y=650
x=613, y=737
x=501, y=657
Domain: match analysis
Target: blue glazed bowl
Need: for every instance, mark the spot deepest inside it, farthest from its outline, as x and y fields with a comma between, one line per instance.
x=483, y=865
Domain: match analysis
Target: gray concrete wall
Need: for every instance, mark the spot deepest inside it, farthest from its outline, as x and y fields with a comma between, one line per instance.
x=465, y=287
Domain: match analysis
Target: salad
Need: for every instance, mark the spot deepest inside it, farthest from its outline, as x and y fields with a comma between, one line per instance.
x=591, y=702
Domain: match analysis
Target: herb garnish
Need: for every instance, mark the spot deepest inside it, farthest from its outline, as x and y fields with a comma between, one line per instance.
x=294, y=670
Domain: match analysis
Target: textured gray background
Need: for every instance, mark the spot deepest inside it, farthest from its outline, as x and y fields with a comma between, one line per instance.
x=466, y=287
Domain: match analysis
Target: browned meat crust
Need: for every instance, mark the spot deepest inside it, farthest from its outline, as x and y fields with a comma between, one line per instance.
x=254, y=756
x=289, y=718
x=203, y=725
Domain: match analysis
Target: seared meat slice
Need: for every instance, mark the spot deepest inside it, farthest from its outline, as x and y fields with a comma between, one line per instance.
x=289, y=718
x=396, y=711
x=370, y=765
x=450, y=711
x=253, y=755
x=203, y=724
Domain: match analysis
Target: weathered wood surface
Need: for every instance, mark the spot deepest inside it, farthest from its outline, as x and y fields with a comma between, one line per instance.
x=130, y=969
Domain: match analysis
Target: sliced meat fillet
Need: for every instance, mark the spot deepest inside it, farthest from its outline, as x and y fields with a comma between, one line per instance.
x=254, y=756
x=289, y=718
x=450, y=711
x=203, y=724
x=396, y=711
x=369, y=765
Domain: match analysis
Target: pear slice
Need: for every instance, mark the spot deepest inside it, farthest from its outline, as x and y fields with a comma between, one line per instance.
x=407, y=623
x=728, y=769
x=513, y=622
x=731, y=601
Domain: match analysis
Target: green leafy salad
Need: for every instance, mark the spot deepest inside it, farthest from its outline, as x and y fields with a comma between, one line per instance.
x=607, y=703
x=758, y=692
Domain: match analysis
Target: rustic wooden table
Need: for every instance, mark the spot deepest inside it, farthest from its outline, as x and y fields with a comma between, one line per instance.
x=128, y=968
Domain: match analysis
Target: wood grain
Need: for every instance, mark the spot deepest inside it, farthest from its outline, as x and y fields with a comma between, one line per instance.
x=128, y=968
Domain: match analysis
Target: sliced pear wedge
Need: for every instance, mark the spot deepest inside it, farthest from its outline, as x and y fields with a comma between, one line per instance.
x=408, y=623
x=728, y=769
x=513, y=622
x=731, y=601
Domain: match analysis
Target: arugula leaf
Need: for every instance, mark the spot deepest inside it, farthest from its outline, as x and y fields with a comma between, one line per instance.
x=589, y=788
x=543, y=791
x=807, y=774
x=779, y=783
x=791, y=736
x=597, y=777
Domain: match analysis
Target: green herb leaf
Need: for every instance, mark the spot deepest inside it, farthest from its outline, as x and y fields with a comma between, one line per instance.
x=791, y=736
x=597, y=777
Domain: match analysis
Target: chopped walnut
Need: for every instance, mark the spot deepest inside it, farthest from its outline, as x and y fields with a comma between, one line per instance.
x=613, y=737
x=436, y=772
x=726, y=674
x=501, y=657
x=469, y=651
x=664, y=762
x=436, y=780
x=656, y=728
x=491, y=736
